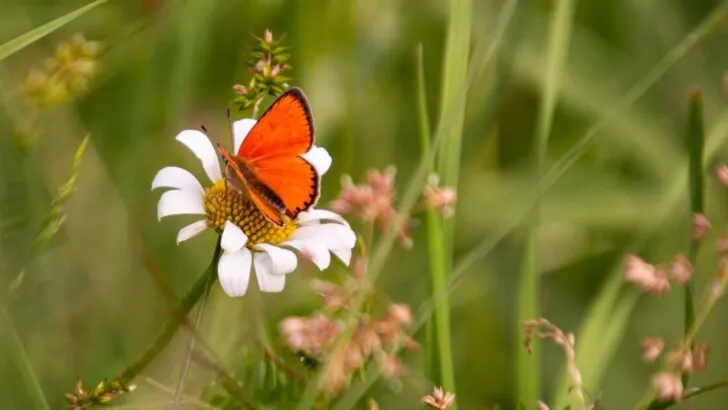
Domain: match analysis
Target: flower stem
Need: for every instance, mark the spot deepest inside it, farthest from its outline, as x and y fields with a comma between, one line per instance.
x=170, y=327
x=695, y=143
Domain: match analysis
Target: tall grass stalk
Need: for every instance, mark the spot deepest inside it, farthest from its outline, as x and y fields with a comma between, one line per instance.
x=695, y=145
x=20, y=355
x=440, y=232
x=529, y=297
x=434, y=238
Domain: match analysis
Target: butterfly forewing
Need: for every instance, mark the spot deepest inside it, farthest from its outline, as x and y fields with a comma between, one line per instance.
x=273, y=150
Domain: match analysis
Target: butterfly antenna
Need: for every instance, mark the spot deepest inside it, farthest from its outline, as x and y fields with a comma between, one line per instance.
x=230, y=128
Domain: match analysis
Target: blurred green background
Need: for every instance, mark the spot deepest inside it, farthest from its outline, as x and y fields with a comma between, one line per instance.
x=87, y=304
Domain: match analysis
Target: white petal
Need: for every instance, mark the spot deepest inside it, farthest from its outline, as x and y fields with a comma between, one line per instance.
x=343, y=254
x=233, y=270
x=332, y=235
x=179, y=203
x=191, y=231
x=241, y=128
x=280, y=261
x=319, y=214
x=233, y=238
x=201, y=146
x=176, y=177
x=268, y=281
x=319, y=158
x=318, y=252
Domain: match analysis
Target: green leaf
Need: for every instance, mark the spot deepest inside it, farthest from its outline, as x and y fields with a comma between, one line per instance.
x=18, y=43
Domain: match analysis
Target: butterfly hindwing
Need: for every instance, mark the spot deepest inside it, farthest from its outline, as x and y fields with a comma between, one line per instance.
x=293, y=179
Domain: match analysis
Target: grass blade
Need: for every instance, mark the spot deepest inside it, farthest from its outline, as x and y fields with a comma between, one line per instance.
x=18, y=43
x=440, y=231
x=23, y=361
x=695, y=144
x=528, y=365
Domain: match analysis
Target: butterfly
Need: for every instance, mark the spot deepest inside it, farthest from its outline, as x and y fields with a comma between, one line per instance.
x=269, y=168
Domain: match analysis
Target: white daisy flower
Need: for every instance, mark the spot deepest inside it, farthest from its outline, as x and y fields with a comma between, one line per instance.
x=249, y=241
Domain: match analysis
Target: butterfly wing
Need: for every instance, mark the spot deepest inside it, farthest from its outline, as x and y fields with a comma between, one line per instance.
x=242, y=178
x=273, y=148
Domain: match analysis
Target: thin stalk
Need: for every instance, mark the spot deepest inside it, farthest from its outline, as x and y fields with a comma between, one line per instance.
x=424, y=128
x=441, y=231
x=713, y=295
x=191, y=346
x=437, y=328
x=170, y=327
x=529, y=297
x=23, y=360
x=695, y=145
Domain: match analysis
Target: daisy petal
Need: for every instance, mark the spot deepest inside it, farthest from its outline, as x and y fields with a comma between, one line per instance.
x=201, y=146
x=318, y=253
x=332, y=235
x=267, y=280
x=176, y=177
x=241, y=128
x=280, y=261
x=179, y=203
x=343, y=254
x=233, y=237
x=319, y=214
x=319, y=158
x=233, y=270
x=191, y=231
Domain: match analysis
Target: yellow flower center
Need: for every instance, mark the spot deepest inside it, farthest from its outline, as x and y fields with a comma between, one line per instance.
x=224, y=203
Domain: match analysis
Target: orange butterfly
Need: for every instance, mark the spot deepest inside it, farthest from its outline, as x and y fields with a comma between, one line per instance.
x=268, y=167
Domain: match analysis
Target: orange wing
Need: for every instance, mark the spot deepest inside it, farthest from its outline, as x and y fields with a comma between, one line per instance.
x=292, y=179
x=284, y=129
x=243, y=179
x=273, y=148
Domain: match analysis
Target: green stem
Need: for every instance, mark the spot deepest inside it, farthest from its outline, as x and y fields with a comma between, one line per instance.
x=695, y=145
x=170, y=327
x=693, y=393
x=23, y=361
x=454, y=79
x=529, y=294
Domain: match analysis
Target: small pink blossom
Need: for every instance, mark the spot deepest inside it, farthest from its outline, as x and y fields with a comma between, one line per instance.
x=668, y=386
x=438, y=399
x=645, y=275
x=653, y=348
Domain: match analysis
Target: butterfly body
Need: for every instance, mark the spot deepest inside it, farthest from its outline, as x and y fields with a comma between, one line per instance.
x=269, y=168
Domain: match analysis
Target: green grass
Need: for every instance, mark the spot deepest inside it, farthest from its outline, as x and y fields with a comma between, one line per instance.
x=529, y=298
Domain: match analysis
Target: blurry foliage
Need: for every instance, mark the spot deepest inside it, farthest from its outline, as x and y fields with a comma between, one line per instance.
x=355, y=61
